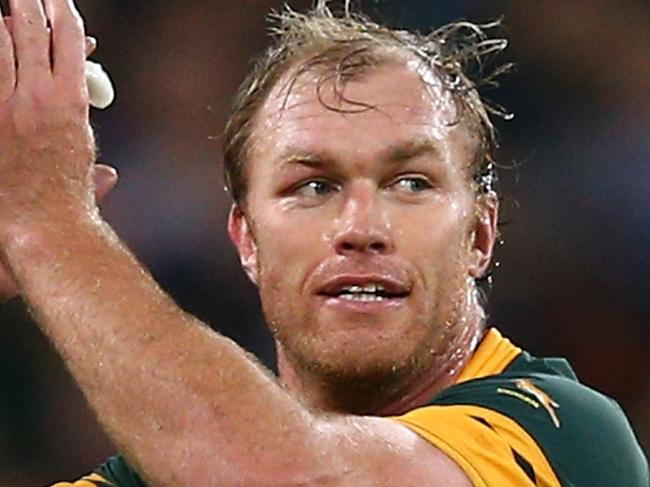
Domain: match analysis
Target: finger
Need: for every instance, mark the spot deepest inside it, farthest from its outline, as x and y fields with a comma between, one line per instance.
x=91, y=41
x=7, y=61
x=68, y=41
x=8, y=288
x=105, y=180
x=91, y=45
x=31, y=40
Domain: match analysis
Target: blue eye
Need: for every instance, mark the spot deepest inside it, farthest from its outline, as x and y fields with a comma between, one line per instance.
x=315, y=187
x=412, y=184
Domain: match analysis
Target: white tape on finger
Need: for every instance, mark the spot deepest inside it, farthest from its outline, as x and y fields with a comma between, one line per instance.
x=100, y=87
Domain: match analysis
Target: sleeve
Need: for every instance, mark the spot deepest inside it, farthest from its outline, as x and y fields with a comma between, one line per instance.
x=116, y=472
x=92, y=480
x=539, y=430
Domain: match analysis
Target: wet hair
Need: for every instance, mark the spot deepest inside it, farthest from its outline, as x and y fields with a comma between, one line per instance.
x=338, y=45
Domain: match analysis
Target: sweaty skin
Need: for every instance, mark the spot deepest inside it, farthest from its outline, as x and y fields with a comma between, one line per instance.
x=105, y=178
x=101, y=94
x=378, y=195
x=165, y=386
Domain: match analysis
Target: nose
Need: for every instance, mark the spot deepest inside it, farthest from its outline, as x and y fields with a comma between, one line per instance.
x=362, y=226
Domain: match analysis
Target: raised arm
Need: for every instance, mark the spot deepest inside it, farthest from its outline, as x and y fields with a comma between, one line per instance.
x=105, y=177
x=186, y=405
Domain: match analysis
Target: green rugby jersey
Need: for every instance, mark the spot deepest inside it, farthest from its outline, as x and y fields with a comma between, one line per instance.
x=515, y=420
x=509, y=420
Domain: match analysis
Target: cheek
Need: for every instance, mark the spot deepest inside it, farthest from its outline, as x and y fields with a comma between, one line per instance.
x=287, y=251
x=436, y=245
x=434, y=238
x=287, y=255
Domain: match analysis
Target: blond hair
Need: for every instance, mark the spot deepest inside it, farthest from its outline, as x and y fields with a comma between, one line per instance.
x=339, y=45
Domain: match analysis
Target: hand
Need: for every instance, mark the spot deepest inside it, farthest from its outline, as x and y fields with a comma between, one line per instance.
x=100, y=88
x=90, y=45
x=46, y=143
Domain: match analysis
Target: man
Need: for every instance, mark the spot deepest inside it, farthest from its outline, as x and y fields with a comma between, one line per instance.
x=359, y=159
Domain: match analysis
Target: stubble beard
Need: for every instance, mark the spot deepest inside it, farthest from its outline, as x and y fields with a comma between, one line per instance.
x=357, y=380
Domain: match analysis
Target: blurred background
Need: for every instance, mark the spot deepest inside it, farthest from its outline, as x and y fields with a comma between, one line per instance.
x=574, y=268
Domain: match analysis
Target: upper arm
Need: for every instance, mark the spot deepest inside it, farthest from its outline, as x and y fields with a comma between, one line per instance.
x=483, y=433
x=437, y=446
x=377, y=452
x=365, y=452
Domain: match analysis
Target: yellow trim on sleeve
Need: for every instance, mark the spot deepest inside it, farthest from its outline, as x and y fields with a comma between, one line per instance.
x=492, y=357
x=87, y=481
x=483, y=452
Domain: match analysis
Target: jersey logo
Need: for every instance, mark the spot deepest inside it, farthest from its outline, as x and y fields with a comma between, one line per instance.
x=547, y=402
x=541, y=398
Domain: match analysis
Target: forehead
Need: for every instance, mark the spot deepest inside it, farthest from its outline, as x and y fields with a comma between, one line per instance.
x=394, y=103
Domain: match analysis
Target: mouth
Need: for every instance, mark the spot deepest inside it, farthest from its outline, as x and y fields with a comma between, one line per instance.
x=365, y=289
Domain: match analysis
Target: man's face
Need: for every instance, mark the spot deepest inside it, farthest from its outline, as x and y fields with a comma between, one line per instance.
x=360, y=229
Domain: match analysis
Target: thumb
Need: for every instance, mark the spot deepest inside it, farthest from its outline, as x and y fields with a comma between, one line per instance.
x=105, y=180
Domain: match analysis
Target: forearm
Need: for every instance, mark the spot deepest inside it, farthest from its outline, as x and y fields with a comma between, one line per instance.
x=185, y=404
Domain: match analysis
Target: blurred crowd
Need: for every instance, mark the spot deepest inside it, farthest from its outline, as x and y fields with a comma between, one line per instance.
x=574, y=265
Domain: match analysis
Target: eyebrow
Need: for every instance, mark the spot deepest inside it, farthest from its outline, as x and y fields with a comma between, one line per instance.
x=399, y=154
x=307, y=159
x=410, y=150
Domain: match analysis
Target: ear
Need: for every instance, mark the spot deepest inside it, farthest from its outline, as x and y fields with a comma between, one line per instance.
x=484, y=234
x=241, y=235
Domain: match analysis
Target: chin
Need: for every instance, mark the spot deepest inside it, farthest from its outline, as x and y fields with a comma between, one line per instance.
x=355, y=379
x=359, y=354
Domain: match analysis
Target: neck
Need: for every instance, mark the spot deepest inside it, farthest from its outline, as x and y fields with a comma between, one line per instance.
x=383, y=395
x=436, y=378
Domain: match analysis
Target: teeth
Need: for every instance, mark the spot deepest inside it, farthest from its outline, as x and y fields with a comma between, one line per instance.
x=361, y=297
x=366, y=288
